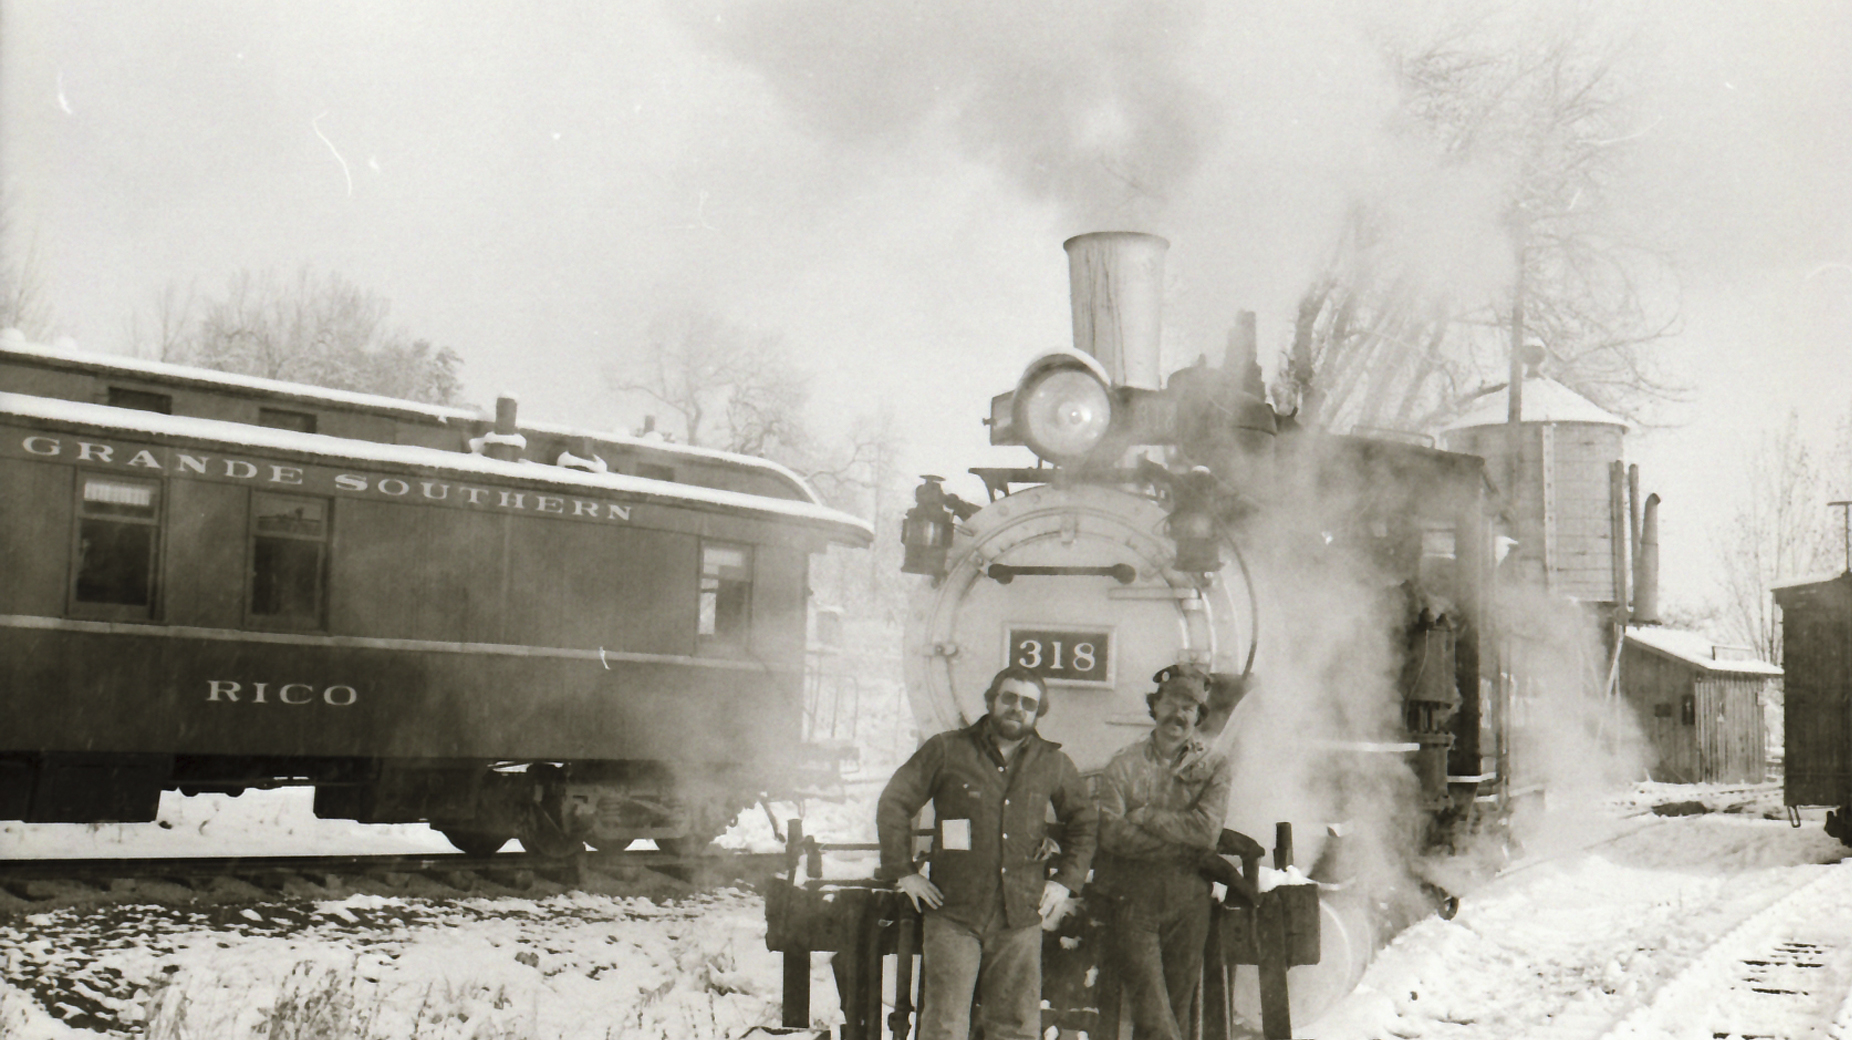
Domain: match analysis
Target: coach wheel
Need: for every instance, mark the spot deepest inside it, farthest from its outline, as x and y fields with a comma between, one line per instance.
x=541, y=835
x=475, y=843
x=612, y=844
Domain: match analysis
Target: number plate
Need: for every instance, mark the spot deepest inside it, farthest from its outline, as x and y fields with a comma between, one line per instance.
x=1063, y=655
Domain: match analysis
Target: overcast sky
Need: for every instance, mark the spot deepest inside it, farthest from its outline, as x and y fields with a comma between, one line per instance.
x=886, y=185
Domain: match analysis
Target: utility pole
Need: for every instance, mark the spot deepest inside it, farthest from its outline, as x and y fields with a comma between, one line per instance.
x=1845, y=521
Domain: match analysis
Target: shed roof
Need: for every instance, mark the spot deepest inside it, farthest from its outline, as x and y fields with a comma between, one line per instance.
x=1544, y=401
x=1816, y=579
x=1699, y=650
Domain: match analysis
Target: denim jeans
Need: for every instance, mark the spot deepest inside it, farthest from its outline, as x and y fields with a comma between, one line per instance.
x=1160, y=925
x=1001, y=966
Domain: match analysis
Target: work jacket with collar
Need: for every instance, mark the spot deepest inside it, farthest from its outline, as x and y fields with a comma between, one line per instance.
x=1006, y=809
x=1159, y=809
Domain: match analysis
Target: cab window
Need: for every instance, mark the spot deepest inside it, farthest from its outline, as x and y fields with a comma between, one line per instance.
x=289, y=554
x=726, y=595
x=118, y=539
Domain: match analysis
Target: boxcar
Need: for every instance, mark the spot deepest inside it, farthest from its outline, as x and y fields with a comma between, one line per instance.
x=1816, y=645
x=216, y=583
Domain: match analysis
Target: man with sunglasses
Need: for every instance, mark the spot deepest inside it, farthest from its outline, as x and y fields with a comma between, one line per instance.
x=993, y=880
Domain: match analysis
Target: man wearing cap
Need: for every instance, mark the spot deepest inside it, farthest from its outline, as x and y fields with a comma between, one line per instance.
x=1162, y=802
x=992, y=884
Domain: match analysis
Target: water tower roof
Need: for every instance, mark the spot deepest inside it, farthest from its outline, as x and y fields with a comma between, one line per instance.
x=1545, y=400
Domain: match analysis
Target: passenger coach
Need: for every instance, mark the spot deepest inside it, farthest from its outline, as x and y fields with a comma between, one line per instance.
x=216, y=583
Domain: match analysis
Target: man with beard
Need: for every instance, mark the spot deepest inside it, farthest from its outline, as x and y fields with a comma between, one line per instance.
x=990, y=886
x=1162, y=802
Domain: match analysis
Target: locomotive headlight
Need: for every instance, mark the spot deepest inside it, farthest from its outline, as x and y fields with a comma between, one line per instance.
x=1063, y=412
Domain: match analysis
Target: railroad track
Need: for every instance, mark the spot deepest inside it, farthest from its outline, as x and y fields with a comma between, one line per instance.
x=41, y=879
x=1781, y=972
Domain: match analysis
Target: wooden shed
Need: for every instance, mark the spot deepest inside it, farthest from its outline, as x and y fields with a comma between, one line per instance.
x=1699, y=705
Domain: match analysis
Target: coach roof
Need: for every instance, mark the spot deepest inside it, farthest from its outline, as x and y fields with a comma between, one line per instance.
x=14, y=345
x=841, y=527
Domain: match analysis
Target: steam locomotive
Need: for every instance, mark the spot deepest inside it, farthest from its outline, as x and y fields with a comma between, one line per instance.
x=1338, y=589
x=216, y=583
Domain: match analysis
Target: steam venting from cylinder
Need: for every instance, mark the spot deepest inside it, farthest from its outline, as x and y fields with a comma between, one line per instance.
x=1116, y=283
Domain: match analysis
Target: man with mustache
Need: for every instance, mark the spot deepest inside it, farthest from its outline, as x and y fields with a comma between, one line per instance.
x=991, y=785
x=1162, y=802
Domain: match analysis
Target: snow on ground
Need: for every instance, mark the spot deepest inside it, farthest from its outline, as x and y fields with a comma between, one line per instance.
x=570, y=965
x=241, y=963
x=1611, y=917
x=1606, y=908
x=256, y=823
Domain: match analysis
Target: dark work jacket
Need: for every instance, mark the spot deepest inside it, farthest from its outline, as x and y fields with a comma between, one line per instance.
x=965, y=778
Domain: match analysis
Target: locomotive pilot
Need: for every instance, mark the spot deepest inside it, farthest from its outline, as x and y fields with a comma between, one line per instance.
x=992, y=881
x=1162, y=803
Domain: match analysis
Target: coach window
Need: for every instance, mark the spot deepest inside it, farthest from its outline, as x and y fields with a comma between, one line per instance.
x=142, y=400
x=289, y=551
x=726, y=595
x=118, y=535
x=284, y=419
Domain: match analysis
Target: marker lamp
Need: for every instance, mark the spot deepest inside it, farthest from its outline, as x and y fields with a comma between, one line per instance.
x=1063, y=412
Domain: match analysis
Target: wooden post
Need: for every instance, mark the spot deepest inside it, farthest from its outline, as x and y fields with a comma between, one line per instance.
x=850, y=979
x=872, y=966
x=795, y=1012
x=1617, y=533
x=906, y=937
x=1276, y=1018
x=1216, y=1012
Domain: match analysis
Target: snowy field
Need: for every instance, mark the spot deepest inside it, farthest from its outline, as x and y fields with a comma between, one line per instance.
x=1614, y=921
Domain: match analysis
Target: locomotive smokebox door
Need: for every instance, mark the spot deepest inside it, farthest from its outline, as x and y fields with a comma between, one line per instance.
x=1079, y=584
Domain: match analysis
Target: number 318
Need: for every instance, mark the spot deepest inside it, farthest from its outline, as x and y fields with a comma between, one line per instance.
x=1031, y=656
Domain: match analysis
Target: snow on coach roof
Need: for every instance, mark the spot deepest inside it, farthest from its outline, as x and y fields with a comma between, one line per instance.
x=1545, y=401
x=847, y=528
x=12, y=342
x=1693, y=648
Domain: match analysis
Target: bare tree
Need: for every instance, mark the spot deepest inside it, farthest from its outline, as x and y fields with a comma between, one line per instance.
x=1780, y=532
x=861, y=473
x=731, y=388
x=165, y=333
x=23, y=305
x=1540, y=120
x=321, y=329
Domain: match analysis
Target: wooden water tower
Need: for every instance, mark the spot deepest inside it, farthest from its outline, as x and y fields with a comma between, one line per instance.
x=1571, y=522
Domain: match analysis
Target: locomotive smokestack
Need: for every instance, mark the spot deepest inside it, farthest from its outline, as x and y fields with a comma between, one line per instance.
x=1116, y=279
